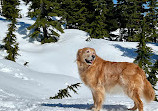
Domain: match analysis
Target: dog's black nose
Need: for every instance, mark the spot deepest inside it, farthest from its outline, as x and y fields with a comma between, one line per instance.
x=93, y=56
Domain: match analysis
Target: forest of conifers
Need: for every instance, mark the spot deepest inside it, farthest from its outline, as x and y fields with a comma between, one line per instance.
x=97, y=17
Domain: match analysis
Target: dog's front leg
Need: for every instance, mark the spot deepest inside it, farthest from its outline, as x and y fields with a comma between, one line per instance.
x=94, y=100
x=98, y=97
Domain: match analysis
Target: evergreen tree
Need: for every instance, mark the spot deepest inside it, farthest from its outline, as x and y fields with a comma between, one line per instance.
x=46, y=26
x=111, y=21
x=121, y=17
x=152, y=78
x=129, y=14
x=134, y=13
x=74, y=13
x=143, y=57
x=10, y=43
x=152, y=20
x=93, y=16
x=154, y=72
x=95, y=23
x=10, y=11
x=144, y=52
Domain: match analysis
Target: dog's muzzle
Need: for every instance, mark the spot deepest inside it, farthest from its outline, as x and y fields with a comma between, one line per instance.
x=91, y=60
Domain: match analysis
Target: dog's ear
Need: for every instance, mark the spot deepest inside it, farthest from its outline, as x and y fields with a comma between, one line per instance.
x=78, y=54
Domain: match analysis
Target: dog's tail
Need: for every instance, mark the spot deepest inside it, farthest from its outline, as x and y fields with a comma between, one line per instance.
x=149, y=93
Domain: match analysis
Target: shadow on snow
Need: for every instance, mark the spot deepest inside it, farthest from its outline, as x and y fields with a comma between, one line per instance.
x=2, y=19
x=127, y=52
x=130, y=52
x=23, y=28
x=87, y=106
x=23, y=31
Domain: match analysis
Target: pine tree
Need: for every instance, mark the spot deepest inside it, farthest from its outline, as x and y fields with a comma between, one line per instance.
x=128, y=14
x=65, y=92
x=10, y=11
x=121, y=9
x=154, y=72
x=93, y=16
x=111, y=21
x=135, y=10
x=95, y=23
x=144, y=52
x=152, y=78
x=152, y=20
x=74, y=13
x=10, y=43
x=143, y=57
x=45, y=26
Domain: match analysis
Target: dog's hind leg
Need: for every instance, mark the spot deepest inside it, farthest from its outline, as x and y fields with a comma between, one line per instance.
x=134, y=107
x=136, y=98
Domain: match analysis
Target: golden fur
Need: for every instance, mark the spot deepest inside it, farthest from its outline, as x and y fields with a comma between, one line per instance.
x=101, y=76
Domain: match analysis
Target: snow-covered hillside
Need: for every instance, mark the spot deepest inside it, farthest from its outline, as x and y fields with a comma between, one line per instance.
x=52, y=67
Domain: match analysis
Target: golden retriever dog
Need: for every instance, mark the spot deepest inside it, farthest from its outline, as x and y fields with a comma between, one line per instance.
x=102, y=76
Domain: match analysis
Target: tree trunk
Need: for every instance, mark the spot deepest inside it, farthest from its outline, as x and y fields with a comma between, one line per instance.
x=45, y=32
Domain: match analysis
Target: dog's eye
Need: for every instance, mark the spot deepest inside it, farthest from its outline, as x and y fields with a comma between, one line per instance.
x=87, y=51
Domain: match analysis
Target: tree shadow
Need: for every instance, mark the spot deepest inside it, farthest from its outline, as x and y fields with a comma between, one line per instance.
x=154, y=58
x=23, y=28
x=87, y=106
x=23, y=31
x=2, y=19
x=129, y=52
x=156, y=44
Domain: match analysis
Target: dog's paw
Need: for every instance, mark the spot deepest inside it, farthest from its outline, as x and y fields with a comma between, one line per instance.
x=91, y=107
x=94, y=109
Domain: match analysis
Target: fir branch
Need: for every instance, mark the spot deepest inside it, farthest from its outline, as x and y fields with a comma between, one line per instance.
x=65, y=92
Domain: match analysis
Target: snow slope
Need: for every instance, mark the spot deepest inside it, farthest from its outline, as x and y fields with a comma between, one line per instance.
x=52, y=67
x=60, y=57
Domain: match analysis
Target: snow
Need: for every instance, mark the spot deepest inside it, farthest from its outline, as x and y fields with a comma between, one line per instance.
x=53, y=66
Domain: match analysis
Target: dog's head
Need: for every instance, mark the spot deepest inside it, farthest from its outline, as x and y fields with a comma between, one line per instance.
x=86, y=55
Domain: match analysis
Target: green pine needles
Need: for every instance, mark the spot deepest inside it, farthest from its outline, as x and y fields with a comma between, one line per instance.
x=144, y=52
x=65, y=92
x=152, y=78
x=95, y=18
x=10, y=11
x=10, y=43
x=144, y=55
x=154, y=72
x=46, y=27
x=152, y=20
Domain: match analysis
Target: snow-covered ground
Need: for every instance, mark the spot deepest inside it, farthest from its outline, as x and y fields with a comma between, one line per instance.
x=52, y=67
